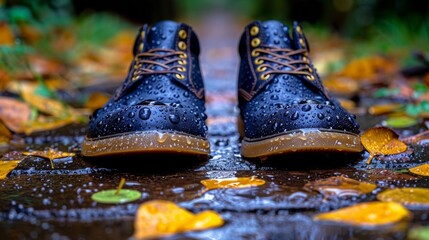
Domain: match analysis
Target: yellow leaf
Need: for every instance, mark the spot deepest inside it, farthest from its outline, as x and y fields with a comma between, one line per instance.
x=7, y=166
x=406, y=196
x=203, y=220
x=367, y=214
x=240, y=182
x=384, y=108
x=341, y=186
x=46, y=105
x=5, y=134
x=44, y=123
x=422, y=170
x=160, y=218
x=14, y=113
x=50, y=154
x=96, y=100
x=6, y=34
x=381, y=141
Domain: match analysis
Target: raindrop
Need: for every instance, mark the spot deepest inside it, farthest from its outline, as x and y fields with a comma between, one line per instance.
x=274, y=97
x=174, y=118
x=276, y=41
x=320, y=116
x=319, y=106
x=131, y=114
x=295, y=116
x=161, y=137
x=306, y=108
x=144, y=113
x=100, y=123
x=186, y=94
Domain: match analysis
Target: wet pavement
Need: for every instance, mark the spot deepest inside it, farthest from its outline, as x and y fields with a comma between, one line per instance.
x=38, y=202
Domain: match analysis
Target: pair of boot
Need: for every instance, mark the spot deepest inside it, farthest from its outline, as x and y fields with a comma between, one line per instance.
x=283, y=104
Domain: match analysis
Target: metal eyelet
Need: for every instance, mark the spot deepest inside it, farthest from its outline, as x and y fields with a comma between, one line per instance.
x=301, y=42
x=261, y=68
x=180, y=76
x=182, y=45
x=141, y=46
x=134, y=78
x=305, y=59
x=142, y=35
x=310, y=70
x=255, y=53
x=310, y=77
x=183, y=55
x=254, y=30
x=182, y=34
x=265, y=76
x=182, y=62
x=299, y=29
x=258, y=61
x=180, y=69
x=255, y=42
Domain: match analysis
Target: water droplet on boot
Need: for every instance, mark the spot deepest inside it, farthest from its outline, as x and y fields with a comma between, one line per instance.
x=295, y=116
x=174, y=118
x=144, y=113
x=131, y=114
x=320, y=116
x=274, y=97
x=306, y=108
x=161, y=137
x=100, y=123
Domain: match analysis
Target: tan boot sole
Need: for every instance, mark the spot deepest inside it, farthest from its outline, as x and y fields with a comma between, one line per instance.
x=302, y=140
x=145, y=142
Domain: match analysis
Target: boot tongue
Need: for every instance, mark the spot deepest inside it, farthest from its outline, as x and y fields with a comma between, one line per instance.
x=162, y=35
x=275, y=34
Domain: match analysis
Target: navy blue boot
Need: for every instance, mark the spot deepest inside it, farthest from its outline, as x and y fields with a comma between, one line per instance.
x=283, y=105
x=160, y=106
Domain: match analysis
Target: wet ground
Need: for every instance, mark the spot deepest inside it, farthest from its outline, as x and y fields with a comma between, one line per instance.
x=37, y=202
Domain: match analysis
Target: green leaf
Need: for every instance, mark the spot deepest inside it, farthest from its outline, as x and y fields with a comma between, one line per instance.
x=385, y=92
x=401, y=122
x=110, y=196
x=413, y=110
x=20, y=14
x=419, y=233
x=425, y=106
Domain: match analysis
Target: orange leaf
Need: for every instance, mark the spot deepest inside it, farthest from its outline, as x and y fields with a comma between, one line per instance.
x=384, y=108
x=7, y=166
x=14, y=113
x=160, y=218
x=422, y=170
x=406, y=196
x=341, y=186
x=6, y=35
x=367, y=214
x=50, y=154
x=96, y=100
x=5, y=134
x=381, y=141
x=240, y=182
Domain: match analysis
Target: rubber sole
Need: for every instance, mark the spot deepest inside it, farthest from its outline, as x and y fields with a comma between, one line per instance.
x=302, y=140
x=145, y=142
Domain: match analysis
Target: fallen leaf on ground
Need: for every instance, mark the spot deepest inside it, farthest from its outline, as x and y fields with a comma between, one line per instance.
x=7, y=166
x=341, y=85
x=118, y=195
x=14, y=113
x=239, y=182
x=422, y=170
x=43, y=123
x=419, y=233
x=367, y=214
x=384, y=108
x=381, y=141
x=5, y=134
x=406, y=196
x=6, y=34
x=417, y=138
x=50, y=154
x=161, y=218
x=340, y=186
x=97, y=100
x=369, y=68
x=401, y=122
x=46, y=105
